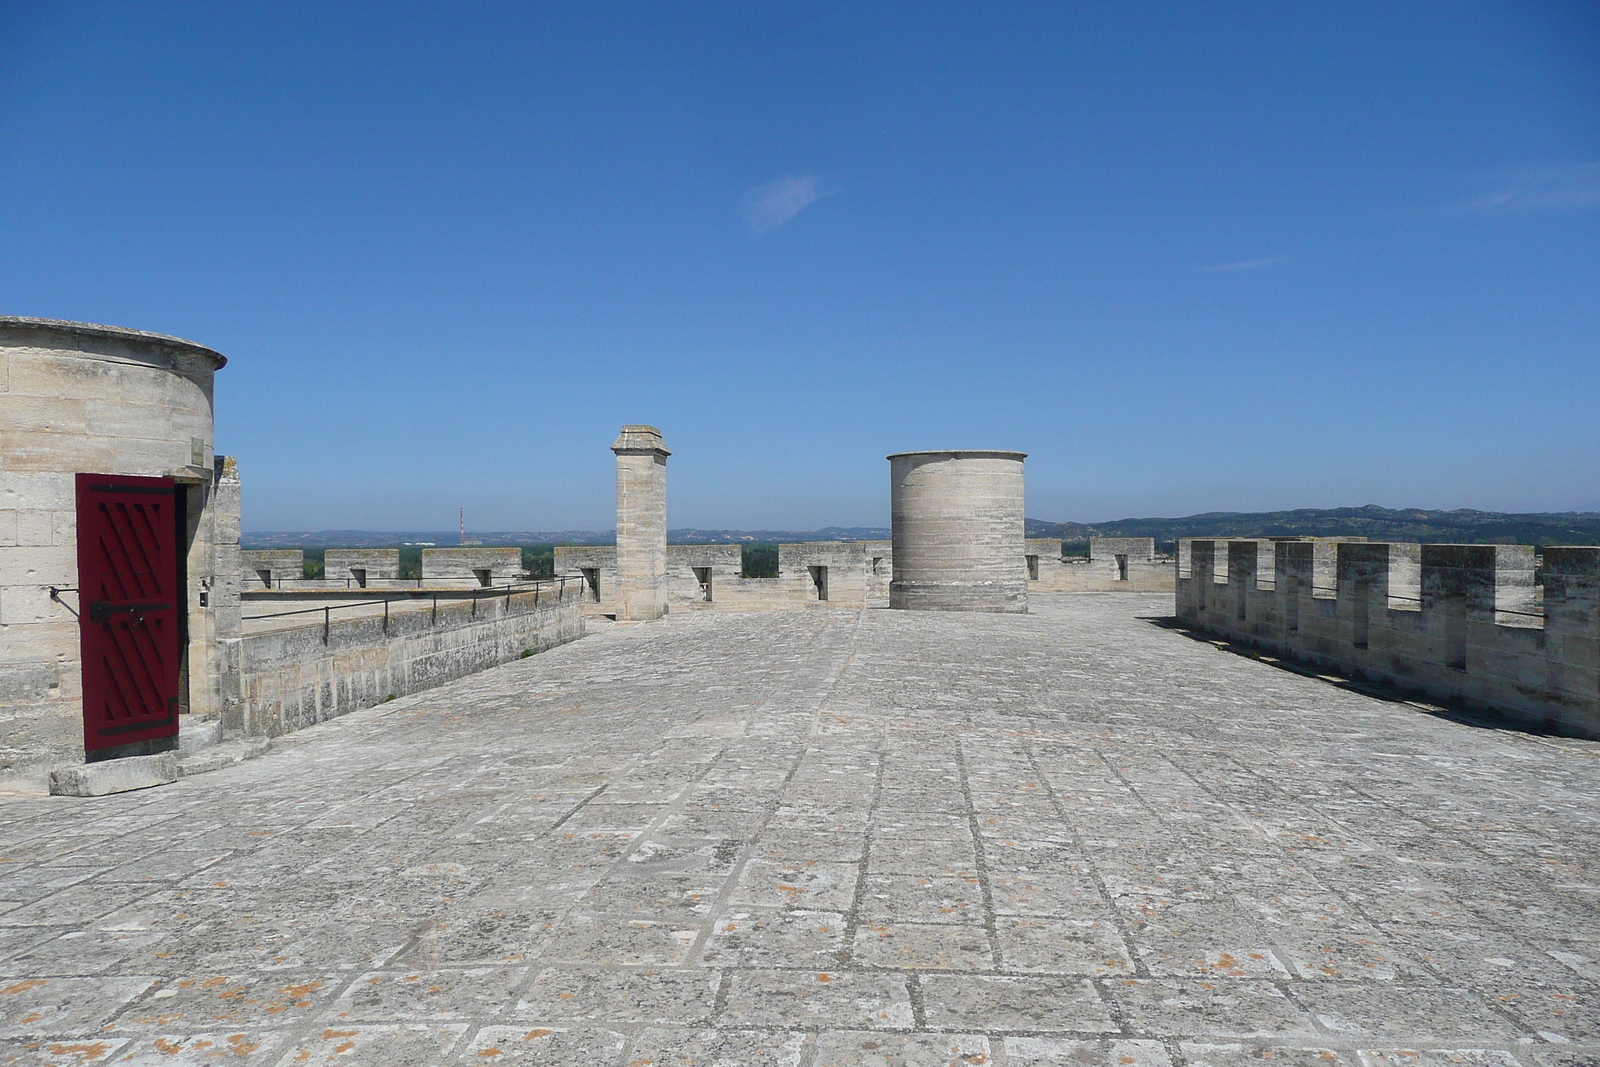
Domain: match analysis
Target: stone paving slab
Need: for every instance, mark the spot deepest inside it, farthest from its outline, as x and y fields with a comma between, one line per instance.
x=832, y=839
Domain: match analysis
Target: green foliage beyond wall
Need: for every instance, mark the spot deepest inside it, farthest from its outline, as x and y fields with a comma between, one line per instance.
x=539, y=560
x=759, y=559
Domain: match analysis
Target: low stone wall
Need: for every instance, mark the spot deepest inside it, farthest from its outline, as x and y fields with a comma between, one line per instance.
x=296, y=677
x=269, y=568
x=485, y=565
x=852, y=573
x=361, y=565
x=1482, y=624
x=1114, y=565
x=855, y=573
x=699, y=576
x=849, y=572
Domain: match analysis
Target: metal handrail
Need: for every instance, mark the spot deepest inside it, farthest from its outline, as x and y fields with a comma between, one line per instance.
x=414, y=583
x=474, y=595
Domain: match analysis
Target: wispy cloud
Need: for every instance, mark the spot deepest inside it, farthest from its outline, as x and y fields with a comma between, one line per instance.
x=766, y=207
x=1571, y=187
x=1243, y=265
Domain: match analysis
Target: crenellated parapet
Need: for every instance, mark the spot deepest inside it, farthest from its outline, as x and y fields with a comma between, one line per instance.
x=1491, y=625
x=1114, y=565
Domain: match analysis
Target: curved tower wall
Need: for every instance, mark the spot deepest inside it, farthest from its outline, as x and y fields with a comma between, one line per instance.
x=80, y=398
x=958, y=531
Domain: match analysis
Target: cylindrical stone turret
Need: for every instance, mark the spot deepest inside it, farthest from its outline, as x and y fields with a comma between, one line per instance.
x=78, y=398
x=641, y=523
x=958, y=531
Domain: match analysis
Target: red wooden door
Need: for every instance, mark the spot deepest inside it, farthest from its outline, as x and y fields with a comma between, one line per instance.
x=129, y=609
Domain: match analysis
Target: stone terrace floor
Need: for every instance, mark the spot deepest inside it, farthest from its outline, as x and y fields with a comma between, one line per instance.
x=830, y=838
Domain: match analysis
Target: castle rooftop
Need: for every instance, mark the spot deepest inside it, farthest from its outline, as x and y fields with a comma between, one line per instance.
x=828, y=837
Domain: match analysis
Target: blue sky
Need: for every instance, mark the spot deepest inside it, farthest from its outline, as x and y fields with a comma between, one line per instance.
x=1190, y=257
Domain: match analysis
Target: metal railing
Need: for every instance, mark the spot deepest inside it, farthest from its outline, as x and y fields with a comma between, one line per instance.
x=255, y=584
x=474, y=595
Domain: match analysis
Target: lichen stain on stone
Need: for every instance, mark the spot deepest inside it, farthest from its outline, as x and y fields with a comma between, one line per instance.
x=83, y=1053
x=24, y=986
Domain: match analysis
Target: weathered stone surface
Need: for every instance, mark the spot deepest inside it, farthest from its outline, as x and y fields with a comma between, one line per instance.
x=359, y=566
x=114, y=776
x=642, y=592
x=711, y=577
x=1113, y=565
x=81, y=398
x=957, y=520
x=301, y=674
x=473, y=565
x=833, y=837
x=271, y=568
x=854, y=573
x=1466, y=623
x=195, y=734
x=225, y=754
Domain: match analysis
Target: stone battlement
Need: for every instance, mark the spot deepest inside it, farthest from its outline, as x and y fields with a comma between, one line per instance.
x=1491, y=625
x=1114, y=565
x=711, y=577
x=466, y=567
x=854, y=573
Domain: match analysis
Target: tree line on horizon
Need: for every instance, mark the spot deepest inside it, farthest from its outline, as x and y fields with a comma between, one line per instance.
x=760, y=557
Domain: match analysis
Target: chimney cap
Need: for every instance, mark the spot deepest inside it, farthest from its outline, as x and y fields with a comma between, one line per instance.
x=638, y=439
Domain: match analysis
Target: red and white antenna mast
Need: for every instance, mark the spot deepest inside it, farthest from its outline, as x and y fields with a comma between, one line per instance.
x=463, y=538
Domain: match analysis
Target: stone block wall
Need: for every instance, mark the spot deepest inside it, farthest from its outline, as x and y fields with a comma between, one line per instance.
x=878, y=562
x=856, y=572
x=41, y=689
x=224, y=608
x=730, y=591
x=597, y=564
x=832, y=571
x=268, y=568
x=361, y=566
x=470, y=565
x=1464, y=622
x=296, y=677
x=957, y=524
x=642, y=592
x=81, y=398
x=1114, y=565
x=699, y=576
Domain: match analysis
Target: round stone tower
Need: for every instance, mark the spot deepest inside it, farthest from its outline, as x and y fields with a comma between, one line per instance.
x=958, y=531
x=106, y=456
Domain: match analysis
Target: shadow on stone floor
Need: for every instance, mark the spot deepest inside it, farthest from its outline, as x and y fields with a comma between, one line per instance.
x=1454, y=709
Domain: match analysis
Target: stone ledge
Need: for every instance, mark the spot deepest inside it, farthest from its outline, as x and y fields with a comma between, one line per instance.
x=194, y=735
x=114, y=776
x=226, y=754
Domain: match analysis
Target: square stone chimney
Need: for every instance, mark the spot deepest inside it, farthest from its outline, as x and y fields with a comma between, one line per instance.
x=641, y=524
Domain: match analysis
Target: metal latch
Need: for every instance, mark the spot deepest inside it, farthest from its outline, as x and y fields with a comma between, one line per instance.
x=102, y=610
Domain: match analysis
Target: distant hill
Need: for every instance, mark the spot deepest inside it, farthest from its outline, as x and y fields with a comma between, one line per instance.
x=1377, y=524
x=1372, y=522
